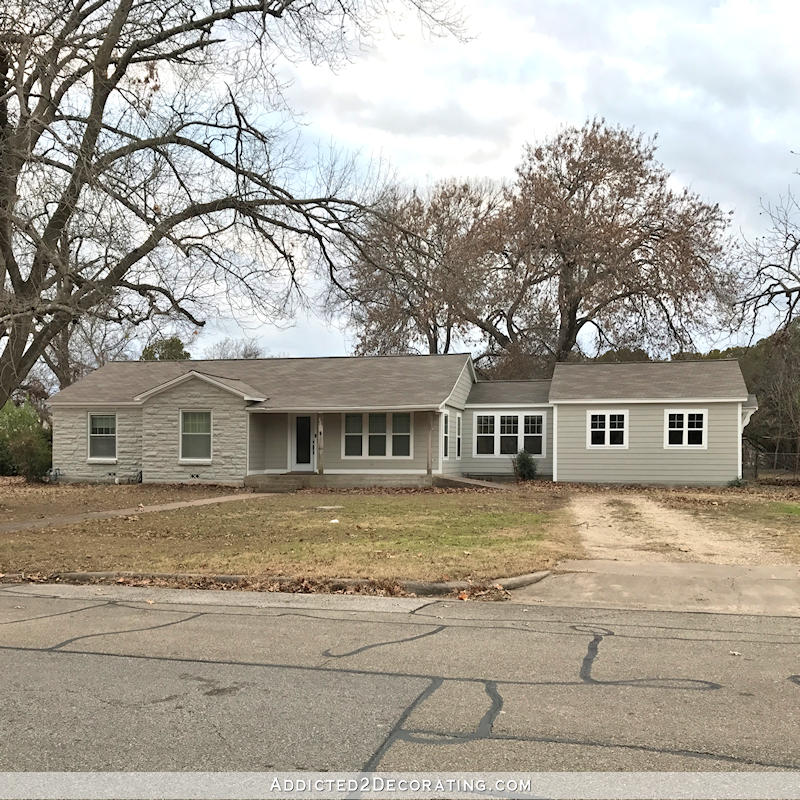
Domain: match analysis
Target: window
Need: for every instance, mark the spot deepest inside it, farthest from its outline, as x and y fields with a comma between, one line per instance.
x=195, y=436
x=506, y=434
x=387, y=435
x=353, y=428
x=446, y=435
x=607, y=429
x=686, y=428
x=103, y=437
x=509, y=434
x=484, y=434
x=458, y=435
x=533, y=441
x=377, y=435
x=401, y=435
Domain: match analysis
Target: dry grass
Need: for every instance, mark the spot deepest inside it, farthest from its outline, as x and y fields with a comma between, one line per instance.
x=20, y=501
x=431, y=535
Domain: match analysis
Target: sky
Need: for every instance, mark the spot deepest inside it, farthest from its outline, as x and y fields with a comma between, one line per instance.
x=716, y=81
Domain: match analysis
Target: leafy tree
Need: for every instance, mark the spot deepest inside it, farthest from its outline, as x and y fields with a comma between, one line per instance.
x=24, y=444
x=147, y=162
x=170, y=349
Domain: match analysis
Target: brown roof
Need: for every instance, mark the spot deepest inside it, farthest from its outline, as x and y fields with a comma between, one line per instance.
x=287, y=383
x=521, y=392
x=668, y=380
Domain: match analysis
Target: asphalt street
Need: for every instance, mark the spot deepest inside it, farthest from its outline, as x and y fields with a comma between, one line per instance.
x=118, y=678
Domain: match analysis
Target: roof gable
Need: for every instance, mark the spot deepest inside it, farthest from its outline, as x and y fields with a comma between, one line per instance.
x=234, y=386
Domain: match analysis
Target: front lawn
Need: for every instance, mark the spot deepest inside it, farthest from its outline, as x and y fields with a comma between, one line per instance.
x=427, y=535
x=21, y=501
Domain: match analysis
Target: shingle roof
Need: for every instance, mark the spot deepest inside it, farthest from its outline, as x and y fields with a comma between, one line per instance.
x=522, y=392
x=287, y=383
x=667, y=380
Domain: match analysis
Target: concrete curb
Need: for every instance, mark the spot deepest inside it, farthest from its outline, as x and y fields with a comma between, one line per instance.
x=422, y=588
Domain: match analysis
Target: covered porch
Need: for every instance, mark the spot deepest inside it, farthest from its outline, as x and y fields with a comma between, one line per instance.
x=342, y=447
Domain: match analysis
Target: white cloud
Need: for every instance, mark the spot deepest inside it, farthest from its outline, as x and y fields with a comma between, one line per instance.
x=716, y=80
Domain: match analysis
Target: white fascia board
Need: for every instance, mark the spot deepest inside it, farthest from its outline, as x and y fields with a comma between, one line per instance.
x=641, y=401
x=337, y=409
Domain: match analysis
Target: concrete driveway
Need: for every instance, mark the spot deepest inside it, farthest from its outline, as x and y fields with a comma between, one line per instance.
x=119, y=678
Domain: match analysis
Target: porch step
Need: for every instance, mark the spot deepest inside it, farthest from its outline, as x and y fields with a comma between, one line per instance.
x=292, y=481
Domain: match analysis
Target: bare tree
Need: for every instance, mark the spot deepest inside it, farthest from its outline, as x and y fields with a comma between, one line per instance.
x=144, y=160
x=589, y=237
x=773, y=276
x=235, y=348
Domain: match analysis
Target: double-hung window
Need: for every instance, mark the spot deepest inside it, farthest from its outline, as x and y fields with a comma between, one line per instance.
x=484, y=434
x=102, y=437
x=607, y=429
x=687, y=427
x=533, y=441
x=509, y=434
x=353, y=435
x=446, y=435
x=506, y=434
x=195, y=436
x=458, y=435
x=377, y=435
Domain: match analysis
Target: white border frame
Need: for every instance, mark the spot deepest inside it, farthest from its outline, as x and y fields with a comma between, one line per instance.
x=190, y=461
x=459, y=435
x=686, y=412
x=497, y=413
x=100, y=460
x=365, y=436
x=291, y=455
x=445, y=418
x=608, y=412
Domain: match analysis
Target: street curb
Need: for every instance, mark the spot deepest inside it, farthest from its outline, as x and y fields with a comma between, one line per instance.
x=423, y=588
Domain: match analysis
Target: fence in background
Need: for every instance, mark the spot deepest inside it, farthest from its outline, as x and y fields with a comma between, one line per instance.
x=778, y=466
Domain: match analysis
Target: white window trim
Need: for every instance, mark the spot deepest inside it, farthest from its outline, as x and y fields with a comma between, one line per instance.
x=607, y=412
x=365, y=436
x=100, y=460
x=685, y=412
x=459, y=435
x=446, y=435
x=181, y=459
x=520, y=415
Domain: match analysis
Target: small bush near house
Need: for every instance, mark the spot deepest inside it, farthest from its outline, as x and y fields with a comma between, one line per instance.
x=524, y=466
x=24, y=444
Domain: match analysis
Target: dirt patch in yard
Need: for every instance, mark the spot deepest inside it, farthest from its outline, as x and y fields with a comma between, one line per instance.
x=665, y=526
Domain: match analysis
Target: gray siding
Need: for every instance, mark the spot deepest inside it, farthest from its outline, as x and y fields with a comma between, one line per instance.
x=269, y=442
x=646, y=460
x=71, y=444
x=161, y=435
x=458, y=397
x=503, y=465
x=332, y=449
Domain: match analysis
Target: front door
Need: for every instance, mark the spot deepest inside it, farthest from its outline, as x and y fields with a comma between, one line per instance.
x=303, y=444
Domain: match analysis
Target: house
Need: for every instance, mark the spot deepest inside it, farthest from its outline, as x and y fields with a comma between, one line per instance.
x=398, y=420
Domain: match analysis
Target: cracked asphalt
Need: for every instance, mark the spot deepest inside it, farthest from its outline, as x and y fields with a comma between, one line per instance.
x=119, y=678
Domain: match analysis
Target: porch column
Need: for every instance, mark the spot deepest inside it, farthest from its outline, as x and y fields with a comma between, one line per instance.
x=430, y=443
x=320, y=432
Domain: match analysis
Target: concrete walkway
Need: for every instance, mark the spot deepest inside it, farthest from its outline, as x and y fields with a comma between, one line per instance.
x=69, y=519
x=719, y=588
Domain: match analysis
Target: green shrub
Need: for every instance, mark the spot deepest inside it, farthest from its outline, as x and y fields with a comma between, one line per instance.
x=524, y=466
x=24, y=444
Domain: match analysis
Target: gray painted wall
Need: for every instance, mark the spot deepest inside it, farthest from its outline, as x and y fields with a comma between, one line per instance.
x=332, y=448
x=161, y=435
x=646, y=460
x=503, y=465
x=268, y=442
x=71, y=444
